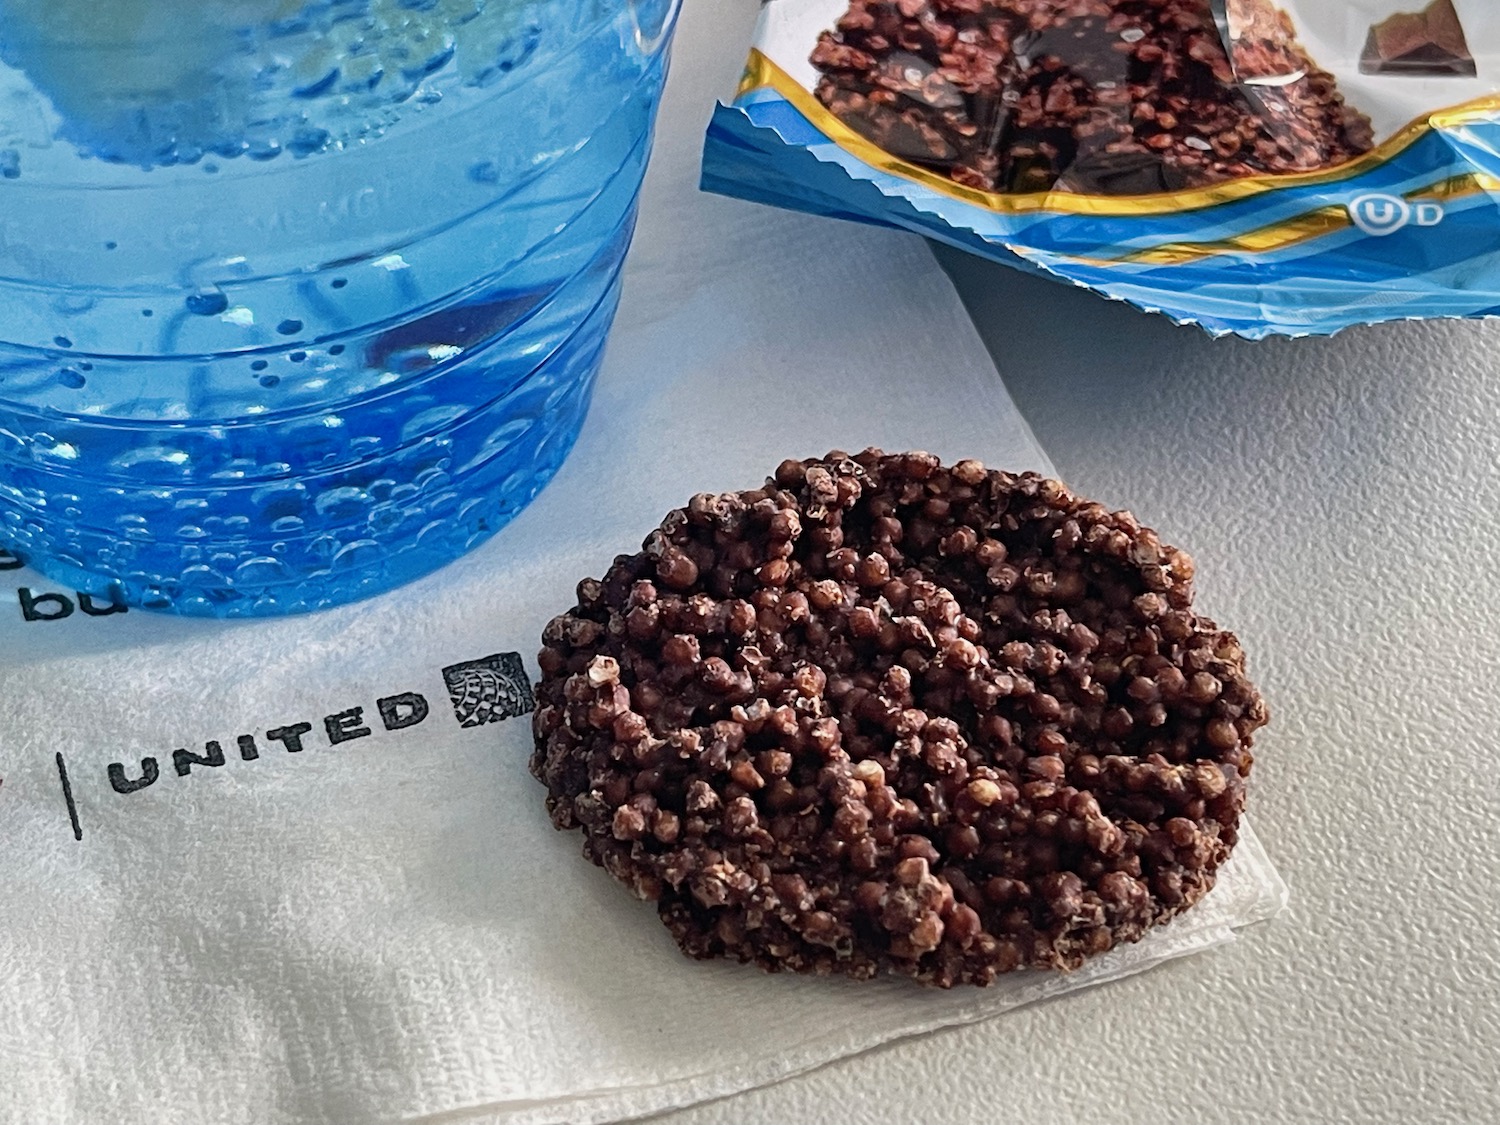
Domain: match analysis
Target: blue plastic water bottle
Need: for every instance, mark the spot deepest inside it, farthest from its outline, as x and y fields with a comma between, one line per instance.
x=301, y=299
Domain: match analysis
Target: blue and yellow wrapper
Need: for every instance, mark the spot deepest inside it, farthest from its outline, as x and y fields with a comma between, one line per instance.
x=1408, y=230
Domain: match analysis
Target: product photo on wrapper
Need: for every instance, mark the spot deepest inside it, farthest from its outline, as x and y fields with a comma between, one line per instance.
x=299, y=301
x=1256, y=167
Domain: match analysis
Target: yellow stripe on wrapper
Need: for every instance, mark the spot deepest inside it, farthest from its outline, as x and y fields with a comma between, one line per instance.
x=761, y=73
x=1291, y=232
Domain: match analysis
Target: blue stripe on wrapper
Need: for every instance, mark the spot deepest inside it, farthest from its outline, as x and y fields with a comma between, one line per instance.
x=1290, y=260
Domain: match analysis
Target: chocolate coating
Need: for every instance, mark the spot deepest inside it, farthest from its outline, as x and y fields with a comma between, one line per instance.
x=882, y=715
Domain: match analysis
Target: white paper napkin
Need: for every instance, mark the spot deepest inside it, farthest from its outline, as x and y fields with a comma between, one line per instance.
x=384, y=927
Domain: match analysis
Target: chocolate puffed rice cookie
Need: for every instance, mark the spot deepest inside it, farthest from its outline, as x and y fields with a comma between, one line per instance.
x=880, y=715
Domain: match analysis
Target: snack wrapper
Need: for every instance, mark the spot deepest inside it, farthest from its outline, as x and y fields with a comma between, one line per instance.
x=1256, y=167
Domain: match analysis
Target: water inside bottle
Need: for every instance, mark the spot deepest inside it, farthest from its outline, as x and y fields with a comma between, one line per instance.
x=300, y=300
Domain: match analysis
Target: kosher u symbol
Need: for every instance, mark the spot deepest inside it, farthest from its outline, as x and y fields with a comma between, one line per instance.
x=1380, y=215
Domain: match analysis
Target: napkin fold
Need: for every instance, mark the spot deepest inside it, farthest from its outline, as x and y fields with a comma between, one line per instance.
x=295, y=872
